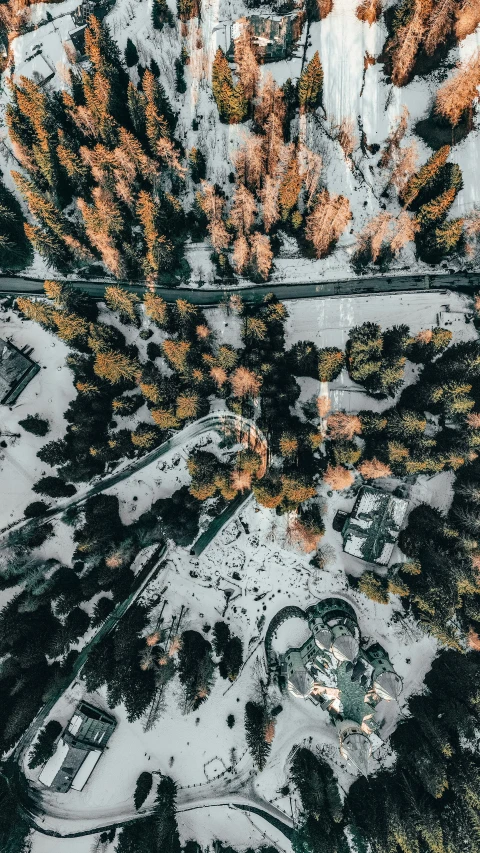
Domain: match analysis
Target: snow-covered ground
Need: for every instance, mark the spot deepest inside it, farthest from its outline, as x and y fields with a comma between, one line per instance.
x=194, y=747
x=354, y=88
x=48, y=394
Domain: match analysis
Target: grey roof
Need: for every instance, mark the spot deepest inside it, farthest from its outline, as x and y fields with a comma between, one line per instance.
x=345, y=647
x=69, y=769
x=357, y=748
x=323, y=638
x=300, y=683
x=388, y=685
x=89, y=729
x=372, y=529
x=16, y=370
x=90, y=726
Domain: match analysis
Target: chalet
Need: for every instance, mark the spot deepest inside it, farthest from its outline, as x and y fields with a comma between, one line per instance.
x=16, y=371
x=78, y=750
x=371, y=530
x=273, y=35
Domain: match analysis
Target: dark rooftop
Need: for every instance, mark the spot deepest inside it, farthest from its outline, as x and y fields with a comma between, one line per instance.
x=16, y=371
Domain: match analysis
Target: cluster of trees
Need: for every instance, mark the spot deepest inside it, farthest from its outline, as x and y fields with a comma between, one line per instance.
x=230, y=650
x=15, y=830
x=428, y=800
x=112, y=382
x=427, y=195
x=115, y=662
x=15, y=249
x=420, y=29
x=158, y=831
x=46, y=616
x=377, y=359
x=321, y=829
x=106, y=150
x=277, y=182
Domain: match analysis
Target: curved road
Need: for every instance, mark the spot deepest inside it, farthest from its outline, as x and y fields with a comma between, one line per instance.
x=212, y=421
x=20, y=286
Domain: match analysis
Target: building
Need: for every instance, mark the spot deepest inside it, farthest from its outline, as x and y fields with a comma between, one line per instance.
x=372, y=528
x=37, y=68
x=79, y=748
x=16, y=371
x=273, y=35
x=333, y=670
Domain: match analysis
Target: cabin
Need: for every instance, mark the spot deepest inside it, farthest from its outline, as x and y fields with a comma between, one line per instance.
x=371, y=530
x=16, y=371
x=79, y=749
x=274, y=36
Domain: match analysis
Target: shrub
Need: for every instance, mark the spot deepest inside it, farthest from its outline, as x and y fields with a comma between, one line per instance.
x=142, y=789
x=35, y=509
x=35, y=424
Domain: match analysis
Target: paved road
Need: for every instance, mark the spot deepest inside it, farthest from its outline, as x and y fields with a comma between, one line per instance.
x=286, y=290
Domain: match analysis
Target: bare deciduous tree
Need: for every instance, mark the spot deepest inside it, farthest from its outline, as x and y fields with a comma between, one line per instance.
x=327, y=221
x=458, y=93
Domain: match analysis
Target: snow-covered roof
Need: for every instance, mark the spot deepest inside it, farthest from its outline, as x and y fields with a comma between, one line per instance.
x=54, y=764
x=37, y=69
x=345, y=647
x=388, y=685
x=300, y=683
x=353, y=545
x=372, y=529
x=86, y=770
x=16, y=370
x=356, y=748
x=323, y=638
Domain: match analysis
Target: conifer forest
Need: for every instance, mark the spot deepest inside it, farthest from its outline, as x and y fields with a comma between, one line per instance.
x=240, y=426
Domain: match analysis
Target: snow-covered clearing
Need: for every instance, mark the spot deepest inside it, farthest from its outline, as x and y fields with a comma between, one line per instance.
x=328, y=321
x=48, y=394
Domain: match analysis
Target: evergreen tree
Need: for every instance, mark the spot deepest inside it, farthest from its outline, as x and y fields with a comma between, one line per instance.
x=166, y=824
x=197, y=165
x=45, y=744
x=221, y=636
x=232, y=659
x=330, y=363
x=426, y=176
x=131, y=54
x=256, y=721
x=54, y=487
x=229, y=98
x=142, y=789
x=290, y=188
x=161, y=15
x=310, y=84
x=35, y=424
x=15, y=250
